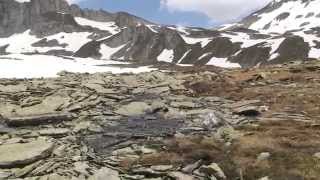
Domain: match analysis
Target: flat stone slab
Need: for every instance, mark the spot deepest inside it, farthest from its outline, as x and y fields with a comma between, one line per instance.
x=133, y=109
x=55, y=132
x=38, y=119
x=13, y=155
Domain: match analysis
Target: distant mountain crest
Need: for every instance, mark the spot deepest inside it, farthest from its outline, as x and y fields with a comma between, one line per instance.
x=282, y=31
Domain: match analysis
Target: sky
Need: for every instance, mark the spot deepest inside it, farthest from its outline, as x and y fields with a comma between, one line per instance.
x=200, y=13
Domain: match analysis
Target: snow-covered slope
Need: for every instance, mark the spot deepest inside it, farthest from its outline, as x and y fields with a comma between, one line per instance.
x=36, y=66
x=283, y=16
x=285, y=30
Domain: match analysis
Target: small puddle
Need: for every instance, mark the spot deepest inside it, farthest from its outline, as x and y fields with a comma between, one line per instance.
x=135, y=128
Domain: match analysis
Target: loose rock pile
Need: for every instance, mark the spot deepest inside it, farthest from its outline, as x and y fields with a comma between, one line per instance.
x=81, y=126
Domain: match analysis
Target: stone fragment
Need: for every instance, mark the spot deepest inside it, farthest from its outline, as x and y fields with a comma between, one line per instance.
x=105, y=174
x=133, y=109
x=183, y=105
x=214, y=170
x=82, y=168
x=27, y=169
x=162, y=168
x=5, y=174
x=247, y=111
x=191, y=167
x=180, y=176
x=317, y=155
x=54, y=132
x=264, y=178
x=12, y=155
x=263, y=156
x=38, y=119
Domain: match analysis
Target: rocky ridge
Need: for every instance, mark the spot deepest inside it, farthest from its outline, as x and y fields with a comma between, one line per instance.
x=48, y=27
x=158, y=125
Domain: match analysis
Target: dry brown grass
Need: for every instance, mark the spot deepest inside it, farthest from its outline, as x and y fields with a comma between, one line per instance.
x=280, y=88
x=291, y=144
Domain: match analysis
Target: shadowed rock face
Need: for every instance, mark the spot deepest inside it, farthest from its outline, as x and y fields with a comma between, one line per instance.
x=54, y=22
x=251, y=56
x=14, y=17
x=141, y=44
x=3, y=49
x=292, y=48
x=48, y=43
x=90, y=49
x=43, y=15
x=222, y=47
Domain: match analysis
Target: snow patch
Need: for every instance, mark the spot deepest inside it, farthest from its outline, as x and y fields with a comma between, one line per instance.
x=37, y=66
x=107, y=51
x=222, y=62
x=294, y=8
x=166, y=56
x=190, y=40
x=105, y=26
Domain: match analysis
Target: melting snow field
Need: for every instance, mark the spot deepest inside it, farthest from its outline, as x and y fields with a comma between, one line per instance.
x=37, y=66
x=222, y=62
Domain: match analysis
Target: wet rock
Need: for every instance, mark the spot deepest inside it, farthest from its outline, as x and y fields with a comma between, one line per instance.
x=13, y=155
x=214, y=170
x=105, y=173
x=38, y=119
x=133, y=109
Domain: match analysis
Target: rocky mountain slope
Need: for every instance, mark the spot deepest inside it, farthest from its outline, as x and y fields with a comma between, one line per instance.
x=52, y=27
